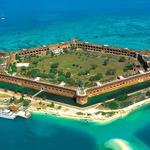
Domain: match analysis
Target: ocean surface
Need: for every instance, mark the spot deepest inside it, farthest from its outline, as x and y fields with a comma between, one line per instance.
x=43, y=132
x=32, y=23
x=29, y=23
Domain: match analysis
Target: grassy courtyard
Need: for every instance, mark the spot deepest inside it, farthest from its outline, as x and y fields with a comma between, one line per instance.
x=76, y=68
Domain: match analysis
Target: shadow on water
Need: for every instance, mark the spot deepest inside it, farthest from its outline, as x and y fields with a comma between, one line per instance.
x=36, y=134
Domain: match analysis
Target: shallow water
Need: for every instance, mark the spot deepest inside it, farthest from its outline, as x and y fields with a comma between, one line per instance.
x=23, y=28
x=119, y=23
x=50, y=132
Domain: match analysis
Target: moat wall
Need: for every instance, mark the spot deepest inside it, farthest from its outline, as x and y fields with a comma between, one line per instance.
x=118, y=84
x=49, y=88
x=68, y=92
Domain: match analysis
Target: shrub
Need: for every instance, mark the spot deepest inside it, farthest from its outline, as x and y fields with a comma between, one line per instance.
x=55, y=65
x=59, y=107
x=105, y=62
x=43, y=75
x=23, y=69
x=111, y=72
x=18, y=57
x=61, y=78
x=79, y=113
x=68, y=75
x=52, y=105
x=35, y=61
x=12, y=68
x=52, y=75
x=60, y=72
x=79, y=83
x=73, y=48
x=53, y=70
x=34, y=73
x=148, y=93
x=83, y=72
x=122, y=97
x=112, y=105
x=90, y=84
x=96, y=77
x=128, y=67
x=1, y=60
x=93, y=66
x=26, y=102
x=126, y=104
x=122, y=59
x=71, y=81
x=13, y=99
x=104, y=113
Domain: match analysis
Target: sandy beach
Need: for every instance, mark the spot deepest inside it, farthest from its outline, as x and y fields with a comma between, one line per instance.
x=89, y=114
x=72, y=113
x=118, y=144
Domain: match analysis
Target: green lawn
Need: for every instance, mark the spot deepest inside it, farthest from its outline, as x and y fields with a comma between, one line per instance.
x=80, y=62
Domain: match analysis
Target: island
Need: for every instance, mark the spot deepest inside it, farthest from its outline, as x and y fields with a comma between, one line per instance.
x=75, y=79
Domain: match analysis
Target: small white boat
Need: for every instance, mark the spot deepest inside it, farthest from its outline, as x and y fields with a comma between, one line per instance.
x=7, y=114
x=2, y=18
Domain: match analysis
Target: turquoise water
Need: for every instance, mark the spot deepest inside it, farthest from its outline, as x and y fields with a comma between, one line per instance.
x=48, y=132
x=36, y=25
x=30, y=23
x=124, y=31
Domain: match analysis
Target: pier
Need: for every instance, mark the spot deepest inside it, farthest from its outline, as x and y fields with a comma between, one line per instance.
x=38, y=93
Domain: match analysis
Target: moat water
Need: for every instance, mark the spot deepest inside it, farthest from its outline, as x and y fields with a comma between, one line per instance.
x=27, y=23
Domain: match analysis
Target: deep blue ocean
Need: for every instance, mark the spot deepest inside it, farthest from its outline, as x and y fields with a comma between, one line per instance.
x=43, y=132
x=29, y=23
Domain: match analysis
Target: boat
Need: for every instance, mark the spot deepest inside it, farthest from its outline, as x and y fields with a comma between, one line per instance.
x=7, y=114
x=2, y=18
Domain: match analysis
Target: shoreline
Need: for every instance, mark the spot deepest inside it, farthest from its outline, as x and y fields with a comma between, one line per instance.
x=120, y=113
x=89, y=114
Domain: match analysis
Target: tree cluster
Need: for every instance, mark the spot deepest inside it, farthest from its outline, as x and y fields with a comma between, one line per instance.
x=111, y=72
x=96, y=77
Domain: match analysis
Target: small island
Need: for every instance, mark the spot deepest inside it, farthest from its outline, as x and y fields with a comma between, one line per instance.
x=75, y=79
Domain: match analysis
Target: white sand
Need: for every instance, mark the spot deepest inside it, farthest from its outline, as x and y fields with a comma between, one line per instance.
x=118, y=144
x=71, y=112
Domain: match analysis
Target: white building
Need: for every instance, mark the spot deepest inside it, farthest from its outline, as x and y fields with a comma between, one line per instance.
x=57, y=51
x=22, y=65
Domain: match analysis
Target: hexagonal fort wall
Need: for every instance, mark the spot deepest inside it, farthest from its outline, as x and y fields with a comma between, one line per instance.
x=69, y=92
